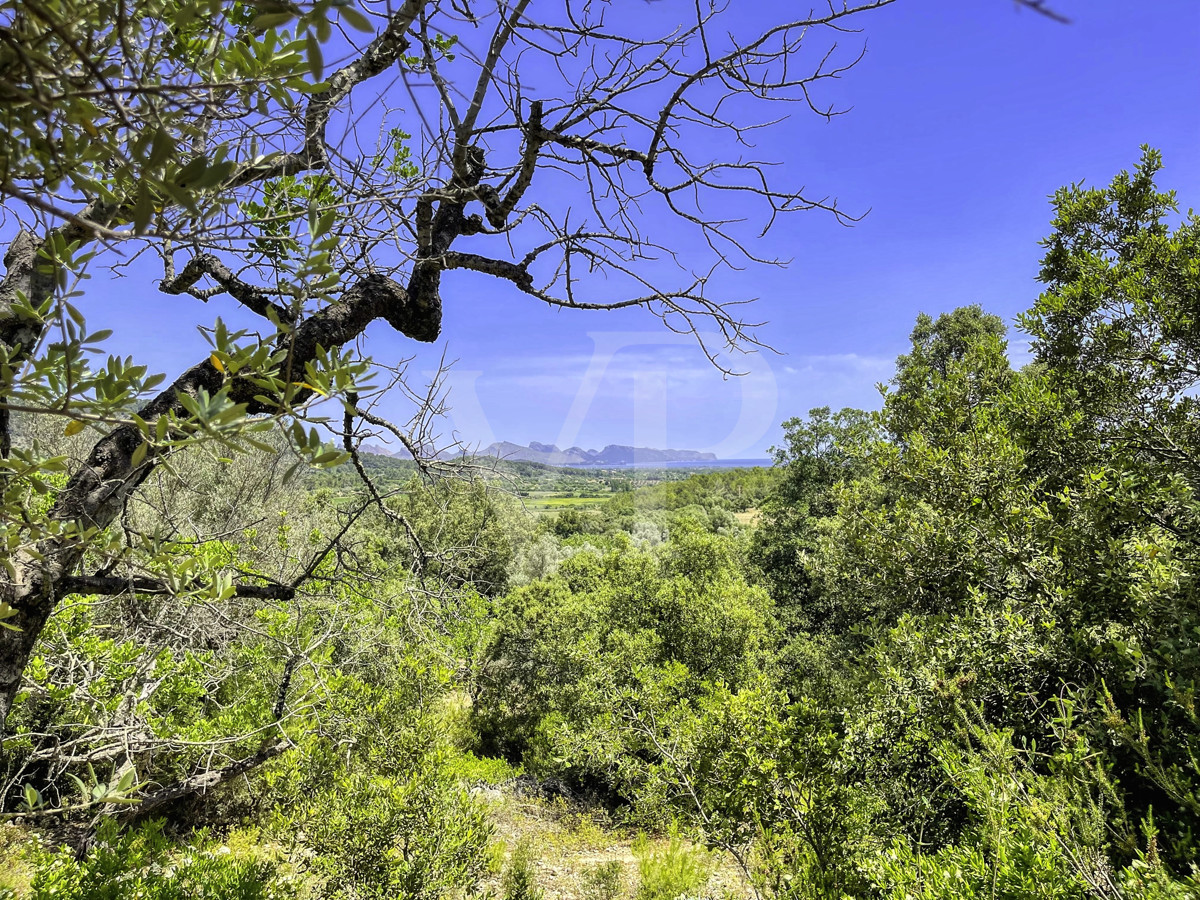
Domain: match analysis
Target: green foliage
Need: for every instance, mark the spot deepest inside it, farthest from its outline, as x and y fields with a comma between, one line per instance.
x=163, y=696
x=415, y=836
x=629, y=624
x=1115, y=324
x=191, y=680
x=572, y=522
x=957, y=363
x=777, y=785
x=284, y=201
x=604, y=881
x=541, y=556
x=472, y=769
x=466, y=532
x=398, y=156
x=139, y=153
x=958, y=657
x=820, y=453
x=676, y=870
x=1040, y=822
x=1020, y=868
x=1150, y=880
x=736, y=490
x=377, y=800
x=144, y=863
x=520, y=879
x=1016, y=544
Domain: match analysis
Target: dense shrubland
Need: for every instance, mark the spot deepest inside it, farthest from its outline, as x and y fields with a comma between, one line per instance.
x=980, y=643
x=954, y=656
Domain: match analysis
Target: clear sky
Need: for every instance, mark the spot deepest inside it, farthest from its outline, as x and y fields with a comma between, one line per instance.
x=967, y=115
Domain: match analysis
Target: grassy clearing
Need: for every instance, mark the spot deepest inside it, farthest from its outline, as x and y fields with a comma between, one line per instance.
x=750, y=517
x=581, y=854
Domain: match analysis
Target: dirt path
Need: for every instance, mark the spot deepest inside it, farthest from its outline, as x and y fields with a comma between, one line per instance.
x=567, y=846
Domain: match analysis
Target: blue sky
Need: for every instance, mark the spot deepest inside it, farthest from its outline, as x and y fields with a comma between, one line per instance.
x=967, y=115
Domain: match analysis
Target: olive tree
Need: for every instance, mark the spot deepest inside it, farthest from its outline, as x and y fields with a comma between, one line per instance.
x=324, y=166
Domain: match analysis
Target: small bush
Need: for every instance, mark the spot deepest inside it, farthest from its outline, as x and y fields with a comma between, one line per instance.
x=672, y=872
x=379, y=837
x=496, y=852
x=603, y=881
x=520, y=880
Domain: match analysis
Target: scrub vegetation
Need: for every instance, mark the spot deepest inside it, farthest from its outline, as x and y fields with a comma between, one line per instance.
x=954, y=654
x=948, y=648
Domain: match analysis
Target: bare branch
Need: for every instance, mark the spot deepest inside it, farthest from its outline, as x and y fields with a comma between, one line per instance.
x=1039, y=6
x=203, y=782
x=253, y=298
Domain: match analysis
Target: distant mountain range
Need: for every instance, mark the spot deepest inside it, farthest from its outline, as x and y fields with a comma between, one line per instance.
x=549, y=454
x=612, y=455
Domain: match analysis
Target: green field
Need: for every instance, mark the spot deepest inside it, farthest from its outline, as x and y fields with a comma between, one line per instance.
x=545, y=502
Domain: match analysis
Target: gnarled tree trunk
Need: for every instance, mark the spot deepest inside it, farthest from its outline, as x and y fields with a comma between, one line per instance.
x=95, y=494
